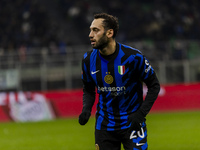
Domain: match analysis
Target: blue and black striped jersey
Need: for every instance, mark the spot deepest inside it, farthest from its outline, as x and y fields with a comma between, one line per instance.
x=119, y=83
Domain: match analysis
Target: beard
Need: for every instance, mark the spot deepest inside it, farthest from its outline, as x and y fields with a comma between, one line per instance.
x=102, y=43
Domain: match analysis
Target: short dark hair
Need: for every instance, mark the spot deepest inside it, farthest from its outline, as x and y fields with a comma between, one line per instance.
x=109, y=22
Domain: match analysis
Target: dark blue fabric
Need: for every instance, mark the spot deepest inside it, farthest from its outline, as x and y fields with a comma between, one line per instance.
x=119, y=95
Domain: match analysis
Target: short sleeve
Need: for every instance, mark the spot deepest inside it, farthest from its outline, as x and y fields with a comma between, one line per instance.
x=145, y=69
x=85, y=70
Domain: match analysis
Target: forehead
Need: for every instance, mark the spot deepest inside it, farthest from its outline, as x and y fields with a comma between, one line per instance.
x=97, y=23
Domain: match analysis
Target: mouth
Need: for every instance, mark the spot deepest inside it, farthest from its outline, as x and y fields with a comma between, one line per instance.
x=92, y=42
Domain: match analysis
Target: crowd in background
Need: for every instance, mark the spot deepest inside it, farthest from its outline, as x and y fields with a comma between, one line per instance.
x=55, y=24
x=141, y=19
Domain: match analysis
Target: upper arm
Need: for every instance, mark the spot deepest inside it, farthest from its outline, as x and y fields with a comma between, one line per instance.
x=144, y=67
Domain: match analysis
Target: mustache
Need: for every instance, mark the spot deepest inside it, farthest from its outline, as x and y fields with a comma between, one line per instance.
x=92, y=40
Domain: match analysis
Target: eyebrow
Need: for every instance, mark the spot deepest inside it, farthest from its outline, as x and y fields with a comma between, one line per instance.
x=93, y=28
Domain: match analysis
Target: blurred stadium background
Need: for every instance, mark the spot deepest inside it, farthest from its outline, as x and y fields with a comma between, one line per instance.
x=42, y=43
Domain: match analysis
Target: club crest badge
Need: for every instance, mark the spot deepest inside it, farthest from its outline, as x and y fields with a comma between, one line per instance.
x=108, y=78
x=121, y=70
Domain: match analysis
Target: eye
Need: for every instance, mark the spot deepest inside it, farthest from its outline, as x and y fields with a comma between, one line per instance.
x=95, y=29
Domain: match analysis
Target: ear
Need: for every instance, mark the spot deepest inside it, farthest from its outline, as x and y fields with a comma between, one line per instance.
x=110, y=33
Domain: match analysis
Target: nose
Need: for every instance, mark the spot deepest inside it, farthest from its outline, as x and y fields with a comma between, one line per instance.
x=90, y=34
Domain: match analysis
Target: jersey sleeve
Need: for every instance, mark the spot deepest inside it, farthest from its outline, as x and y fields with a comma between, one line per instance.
x=88, y=87
x=148, y=76
x=85, y=69
x=145, y=70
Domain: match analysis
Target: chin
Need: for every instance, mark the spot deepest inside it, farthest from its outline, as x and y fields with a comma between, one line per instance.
x=94, y=46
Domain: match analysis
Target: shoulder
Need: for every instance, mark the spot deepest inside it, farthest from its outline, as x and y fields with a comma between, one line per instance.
x=132, y=53
x=89, y=54
x=130, y=50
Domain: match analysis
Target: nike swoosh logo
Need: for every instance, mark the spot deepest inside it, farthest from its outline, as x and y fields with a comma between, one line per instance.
x=93, y=72
x=139, y=144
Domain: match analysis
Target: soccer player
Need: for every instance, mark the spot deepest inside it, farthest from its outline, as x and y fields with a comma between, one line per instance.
x=118, y=72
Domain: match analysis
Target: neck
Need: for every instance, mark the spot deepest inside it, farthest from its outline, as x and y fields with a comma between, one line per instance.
x=109, y=49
